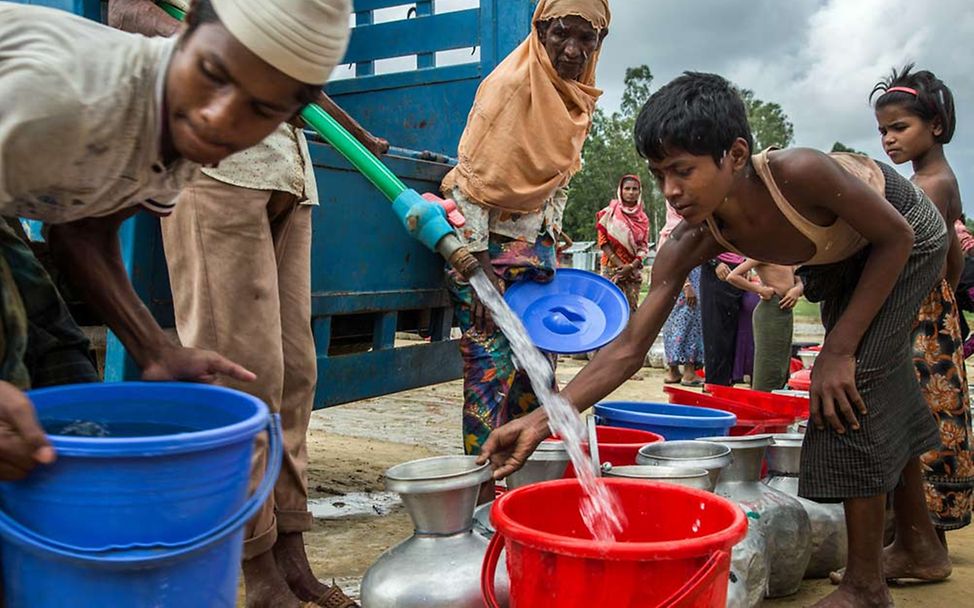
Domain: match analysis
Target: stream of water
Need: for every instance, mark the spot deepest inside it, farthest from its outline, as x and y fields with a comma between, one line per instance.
x=600, y=509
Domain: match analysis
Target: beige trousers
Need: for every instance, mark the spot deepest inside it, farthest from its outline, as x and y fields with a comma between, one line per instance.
x=240, y=266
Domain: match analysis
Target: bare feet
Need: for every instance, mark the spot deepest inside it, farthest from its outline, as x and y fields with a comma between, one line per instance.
x=292, y=561
x=922, y=563
x=265, y=586
x=852, y=596
x=927, y=564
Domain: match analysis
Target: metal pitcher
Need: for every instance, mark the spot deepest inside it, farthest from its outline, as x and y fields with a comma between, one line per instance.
x=828, y=537
x=712, y=457
x=439, y=565
x=688, y=477
x=781, y=517
x=548, y=462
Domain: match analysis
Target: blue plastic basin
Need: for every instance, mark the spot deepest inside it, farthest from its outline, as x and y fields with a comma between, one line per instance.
x=148, y=518
x=671, y=421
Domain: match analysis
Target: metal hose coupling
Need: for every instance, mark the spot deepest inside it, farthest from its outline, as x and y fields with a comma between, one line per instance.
x=458, y=256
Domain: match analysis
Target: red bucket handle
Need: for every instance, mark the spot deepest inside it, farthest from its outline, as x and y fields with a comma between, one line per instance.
x=489, y=569
x=690, y=594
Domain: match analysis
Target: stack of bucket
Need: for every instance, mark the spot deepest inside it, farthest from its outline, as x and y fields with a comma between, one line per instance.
x=151, y=515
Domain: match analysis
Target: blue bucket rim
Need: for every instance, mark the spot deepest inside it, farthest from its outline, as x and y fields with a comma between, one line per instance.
x=707, y=418
x=154, y=555
x=176, y=443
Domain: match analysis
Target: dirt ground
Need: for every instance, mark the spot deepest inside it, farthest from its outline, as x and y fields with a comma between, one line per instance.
x=351, y=446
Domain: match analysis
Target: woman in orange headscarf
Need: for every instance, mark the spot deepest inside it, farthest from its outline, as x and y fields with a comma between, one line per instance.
x=521, y=146
x=622, y=230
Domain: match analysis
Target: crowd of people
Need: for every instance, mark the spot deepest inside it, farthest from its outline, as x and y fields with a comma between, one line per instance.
x=193, y=122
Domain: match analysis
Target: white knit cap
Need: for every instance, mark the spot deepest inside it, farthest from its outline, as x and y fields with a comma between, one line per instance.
x=305, y=39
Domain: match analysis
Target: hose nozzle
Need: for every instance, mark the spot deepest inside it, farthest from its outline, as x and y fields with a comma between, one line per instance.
x=458, y=256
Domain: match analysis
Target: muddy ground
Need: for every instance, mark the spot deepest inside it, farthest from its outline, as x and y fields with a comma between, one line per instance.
x=351, y=446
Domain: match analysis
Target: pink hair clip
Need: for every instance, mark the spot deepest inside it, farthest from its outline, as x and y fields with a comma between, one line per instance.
x=903, y=90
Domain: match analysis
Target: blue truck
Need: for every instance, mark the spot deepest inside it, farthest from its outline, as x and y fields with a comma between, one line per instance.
x=369, y=279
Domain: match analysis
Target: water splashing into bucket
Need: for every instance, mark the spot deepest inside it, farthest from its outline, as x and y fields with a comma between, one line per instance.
x=599, y=508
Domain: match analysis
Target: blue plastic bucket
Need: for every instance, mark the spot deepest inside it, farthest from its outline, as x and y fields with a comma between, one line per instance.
x=144, y=520
x=671, y=421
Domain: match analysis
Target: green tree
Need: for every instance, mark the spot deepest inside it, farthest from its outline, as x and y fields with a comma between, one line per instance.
x=769, y=123
x=841, y=147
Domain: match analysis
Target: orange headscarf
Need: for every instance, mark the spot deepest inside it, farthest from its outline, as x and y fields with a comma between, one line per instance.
x=526, y=128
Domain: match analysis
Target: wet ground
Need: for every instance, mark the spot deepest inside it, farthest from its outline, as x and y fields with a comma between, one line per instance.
x=351, y=446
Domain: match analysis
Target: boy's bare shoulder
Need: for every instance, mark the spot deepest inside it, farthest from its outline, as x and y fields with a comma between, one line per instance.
x=807, y=178
x=800, y=164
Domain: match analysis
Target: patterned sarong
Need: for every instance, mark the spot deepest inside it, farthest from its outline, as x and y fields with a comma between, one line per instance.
x=938, y=359
x=494, y=390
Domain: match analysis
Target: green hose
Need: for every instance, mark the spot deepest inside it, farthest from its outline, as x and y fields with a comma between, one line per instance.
x=174, y=12
x=367, y=164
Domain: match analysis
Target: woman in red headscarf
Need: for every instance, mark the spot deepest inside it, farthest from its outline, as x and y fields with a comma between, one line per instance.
x=623, y=236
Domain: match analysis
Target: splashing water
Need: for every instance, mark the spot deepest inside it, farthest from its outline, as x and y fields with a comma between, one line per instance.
x=600, y=507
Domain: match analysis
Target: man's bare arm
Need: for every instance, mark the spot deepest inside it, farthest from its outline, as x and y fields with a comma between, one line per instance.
x=141, y=17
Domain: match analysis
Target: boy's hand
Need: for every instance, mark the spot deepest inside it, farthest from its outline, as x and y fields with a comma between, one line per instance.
x=790, y=299
x=23, y=444
x=834, y=399
x=376, y=145
x=689, y=295
x=722, y=271
x=510, y=445
x=193, y=365
x=765, y=292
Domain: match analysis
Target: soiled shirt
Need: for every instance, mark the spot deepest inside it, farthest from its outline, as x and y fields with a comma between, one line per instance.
x=81, y=118
x=281, y=162
x=483, y=222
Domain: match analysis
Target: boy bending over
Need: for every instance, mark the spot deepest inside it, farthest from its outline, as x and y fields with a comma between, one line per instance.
x=871, y=247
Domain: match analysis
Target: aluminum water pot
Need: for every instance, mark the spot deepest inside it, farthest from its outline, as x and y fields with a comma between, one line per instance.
x=712, y=457
x=439, y=565
x=691, y=478
x=829, y=547
x=782, y=518
x=749, y=570
x=547, y=462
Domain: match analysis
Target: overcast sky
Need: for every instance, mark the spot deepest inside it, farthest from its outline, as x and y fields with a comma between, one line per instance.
x=818, y=59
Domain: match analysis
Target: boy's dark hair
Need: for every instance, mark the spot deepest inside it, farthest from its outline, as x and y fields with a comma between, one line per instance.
x=932, y=100
x=202, y=12
x=699, y=113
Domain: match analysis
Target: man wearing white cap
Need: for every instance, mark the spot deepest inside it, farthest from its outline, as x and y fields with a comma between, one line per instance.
x=229, y=270
x=96, y=124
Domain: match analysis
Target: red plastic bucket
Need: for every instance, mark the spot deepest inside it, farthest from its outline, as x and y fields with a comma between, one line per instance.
x=801, y=380
x=780, y=405
x=673, y=553
x=617, y=445
x=751, y=419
